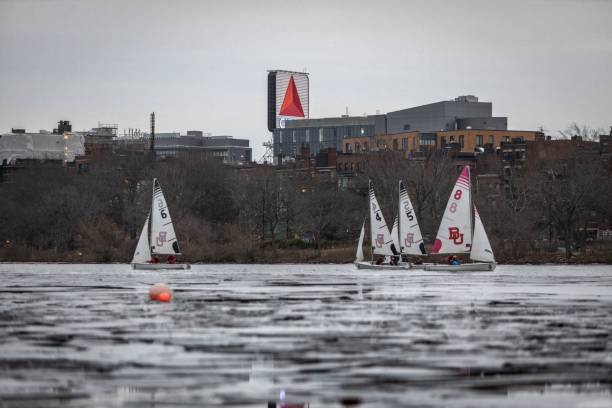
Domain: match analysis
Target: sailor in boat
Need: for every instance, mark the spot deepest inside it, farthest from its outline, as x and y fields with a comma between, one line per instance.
x=154, y=260
x=455, y=261
x=171, y=259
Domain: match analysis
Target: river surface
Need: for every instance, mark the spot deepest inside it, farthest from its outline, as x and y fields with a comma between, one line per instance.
x=307, y=335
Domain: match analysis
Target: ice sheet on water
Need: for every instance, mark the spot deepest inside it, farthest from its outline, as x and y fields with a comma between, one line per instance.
x=237, y=334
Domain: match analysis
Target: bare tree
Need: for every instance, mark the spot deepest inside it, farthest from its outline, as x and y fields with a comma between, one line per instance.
x=584, y=131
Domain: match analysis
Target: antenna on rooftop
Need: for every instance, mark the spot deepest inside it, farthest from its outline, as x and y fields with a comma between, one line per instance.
x=268, y=156
x=152, y=140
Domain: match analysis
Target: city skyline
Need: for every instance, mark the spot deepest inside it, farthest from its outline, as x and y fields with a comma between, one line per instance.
x=203, y=65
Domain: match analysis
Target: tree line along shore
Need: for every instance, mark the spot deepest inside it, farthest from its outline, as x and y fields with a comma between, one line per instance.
x=547, y=212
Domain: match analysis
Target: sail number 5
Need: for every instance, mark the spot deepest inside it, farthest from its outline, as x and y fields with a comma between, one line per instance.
x=408, y=212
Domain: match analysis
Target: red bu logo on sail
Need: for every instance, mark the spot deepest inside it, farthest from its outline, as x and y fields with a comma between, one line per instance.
x=453, y=233
x=161, y=238
x=380, y=240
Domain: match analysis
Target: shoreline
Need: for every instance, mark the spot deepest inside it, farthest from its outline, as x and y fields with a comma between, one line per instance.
x=338, y=255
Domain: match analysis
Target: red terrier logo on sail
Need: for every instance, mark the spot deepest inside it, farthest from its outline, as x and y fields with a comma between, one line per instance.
x=453, y=233
x=380, y=240
x=161, y=238
x=409, y=240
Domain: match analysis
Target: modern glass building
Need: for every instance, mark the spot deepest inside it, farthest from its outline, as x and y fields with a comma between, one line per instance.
x=464, y=112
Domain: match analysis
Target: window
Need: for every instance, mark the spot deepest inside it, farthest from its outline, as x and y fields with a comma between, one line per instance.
x=407, y=126
x=505, y=139
x=427, y=139
x=451, y=139
x=442, y=140
x=362, y=131
x=365, y=146
x=405, y=143
x=280, y=136
x=490, y=139
x=462, y=140
x=293, y=135
x=357, y=147
x=478, y=140
x=320, y=135
x=307, y=135
x=394, y=144
x=348, y=148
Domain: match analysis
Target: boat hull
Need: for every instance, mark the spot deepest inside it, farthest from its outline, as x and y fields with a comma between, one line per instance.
x=466, y=267
x=369, y=265
x=421, y=266
x=159, y=266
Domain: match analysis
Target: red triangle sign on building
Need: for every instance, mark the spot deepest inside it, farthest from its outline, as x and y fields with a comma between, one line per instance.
x=291, y=104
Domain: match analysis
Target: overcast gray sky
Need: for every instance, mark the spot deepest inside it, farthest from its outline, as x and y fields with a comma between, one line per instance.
x=203, y=64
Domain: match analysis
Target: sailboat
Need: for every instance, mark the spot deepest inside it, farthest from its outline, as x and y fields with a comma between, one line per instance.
x=410, y=239
x=157, y=237
x=383, y=243
x=460, y=233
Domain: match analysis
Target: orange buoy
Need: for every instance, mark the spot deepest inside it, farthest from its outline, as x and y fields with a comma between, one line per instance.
x=160, y=292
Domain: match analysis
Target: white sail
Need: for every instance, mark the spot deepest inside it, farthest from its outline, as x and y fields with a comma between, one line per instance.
x=359, y=255
x=410, y=238
x=381, y=237
x=481, y=247
x=162, y=238
x=395, y=236
x=455, y=232
x=143, y=251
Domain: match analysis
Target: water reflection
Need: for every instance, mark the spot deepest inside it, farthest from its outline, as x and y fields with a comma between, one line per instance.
x=283, y=402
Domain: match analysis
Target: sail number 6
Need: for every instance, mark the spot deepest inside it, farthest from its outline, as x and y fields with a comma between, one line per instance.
x=162, y=210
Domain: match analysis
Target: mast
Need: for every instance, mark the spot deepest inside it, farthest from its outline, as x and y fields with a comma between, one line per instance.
x=371, y=226
x=399, y=221
x=151, y=209
x=471, y=206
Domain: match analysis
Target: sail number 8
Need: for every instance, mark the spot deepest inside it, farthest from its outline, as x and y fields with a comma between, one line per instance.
x=456, y=196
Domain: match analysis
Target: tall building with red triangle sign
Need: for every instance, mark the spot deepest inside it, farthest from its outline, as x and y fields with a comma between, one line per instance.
x=291, y=104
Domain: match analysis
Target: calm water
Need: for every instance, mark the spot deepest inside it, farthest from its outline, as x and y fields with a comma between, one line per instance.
x=323, y=335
